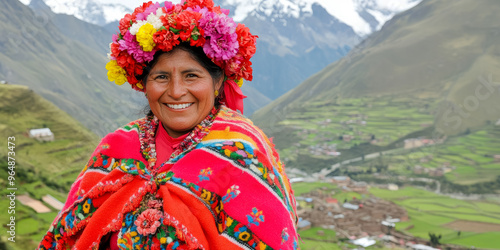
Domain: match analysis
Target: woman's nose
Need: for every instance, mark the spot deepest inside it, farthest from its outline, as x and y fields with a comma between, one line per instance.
x=177, y=88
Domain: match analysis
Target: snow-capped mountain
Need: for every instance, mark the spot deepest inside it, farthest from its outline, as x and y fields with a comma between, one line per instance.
x=95, y=12
x=297, y=38
x=363, y=16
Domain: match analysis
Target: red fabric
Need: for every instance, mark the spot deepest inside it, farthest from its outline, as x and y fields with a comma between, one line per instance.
x=228, y=192
x=165, y=146
x=233, y=96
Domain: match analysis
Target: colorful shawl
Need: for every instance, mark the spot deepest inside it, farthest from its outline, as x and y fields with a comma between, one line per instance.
x=225, y=188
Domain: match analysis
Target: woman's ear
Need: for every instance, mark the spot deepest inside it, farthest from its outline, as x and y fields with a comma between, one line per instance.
x=218, y=85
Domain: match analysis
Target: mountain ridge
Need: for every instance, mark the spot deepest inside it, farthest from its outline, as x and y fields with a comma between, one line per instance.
x=428, y=69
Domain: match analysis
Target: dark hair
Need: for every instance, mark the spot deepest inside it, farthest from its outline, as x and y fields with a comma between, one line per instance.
x=198, y=55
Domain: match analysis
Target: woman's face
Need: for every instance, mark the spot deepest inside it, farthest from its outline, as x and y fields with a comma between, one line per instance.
x=180, y=92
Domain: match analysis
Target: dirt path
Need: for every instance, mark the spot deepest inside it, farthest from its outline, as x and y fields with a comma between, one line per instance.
x=473, y=226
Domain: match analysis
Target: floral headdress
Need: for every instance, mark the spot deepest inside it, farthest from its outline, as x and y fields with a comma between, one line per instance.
x=153, y=28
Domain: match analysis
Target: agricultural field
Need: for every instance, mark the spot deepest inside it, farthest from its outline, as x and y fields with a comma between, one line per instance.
x=468, y=223
x=318, y=129
x=464, y=163
x=41, y=168
x=461, y=222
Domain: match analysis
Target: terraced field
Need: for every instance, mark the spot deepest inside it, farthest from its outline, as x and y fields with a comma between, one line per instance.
x=477, y=221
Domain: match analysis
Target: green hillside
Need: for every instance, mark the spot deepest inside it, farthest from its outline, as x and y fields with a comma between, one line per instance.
x=41, y=167
x=429, y=72
x=441, y=51
x=68, y=70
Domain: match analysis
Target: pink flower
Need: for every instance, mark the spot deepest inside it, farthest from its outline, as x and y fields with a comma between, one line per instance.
x=221, y=47
x=150, y=9
x=132, y=47
x=148, y=221
x=154, y=204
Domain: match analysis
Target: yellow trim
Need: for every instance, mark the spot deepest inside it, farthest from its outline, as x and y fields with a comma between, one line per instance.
x=227, y=135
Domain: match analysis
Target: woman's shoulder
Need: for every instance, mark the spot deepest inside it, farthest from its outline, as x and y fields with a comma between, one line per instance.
x=124, y=140
x=234, y=125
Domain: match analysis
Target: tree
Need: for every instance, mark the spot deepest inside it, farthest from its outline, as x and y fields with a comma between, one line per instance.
x=434, y=238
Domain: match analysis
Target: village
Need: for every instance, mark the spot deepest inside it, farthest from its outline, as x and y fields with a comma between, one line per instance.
x=363, y=222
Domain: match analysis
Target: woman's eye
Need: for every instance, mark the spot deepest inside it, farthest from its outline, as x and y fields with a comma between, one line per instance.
x=191, y=75
x=160, y=77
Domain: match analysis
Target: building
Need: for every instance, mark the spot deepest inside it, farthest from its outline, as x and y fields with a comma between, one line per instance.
x=341, y=180
x=41, y=134
x=303, y=224
x=392, y=187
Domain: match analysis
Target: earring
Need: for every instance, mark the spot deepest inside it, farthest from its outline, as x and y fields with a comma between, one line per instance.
x=216, y=93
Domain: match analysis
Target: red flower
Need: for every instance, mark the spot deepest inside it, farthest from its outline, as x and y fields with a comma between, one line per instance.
x=165, y=40
x=125, y=24
x=202, y=3
x=246, y=41
x=187, y=20
x=115, y=49
x=148, y=221
x=141, y=9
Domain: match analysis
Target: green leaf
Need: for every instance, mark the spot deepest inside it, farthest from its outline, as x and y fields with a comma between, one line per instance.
x=176, y=31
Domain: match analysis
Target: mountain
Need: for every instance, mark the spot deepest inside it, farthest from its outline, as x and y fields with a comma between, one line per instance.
x=41, y=168
x=363, y=16
x=297, y=37
x=430, y=71
x=95, y=12
x=69, y=70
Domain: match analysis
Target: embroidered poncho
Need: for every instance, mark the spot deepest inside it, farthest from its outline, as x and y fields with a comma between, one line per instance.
x=225, y=189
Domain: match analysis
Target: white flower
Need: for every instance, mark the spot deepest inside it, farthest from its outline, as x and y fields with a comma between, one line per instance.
x=136, y=26
x=155, y=21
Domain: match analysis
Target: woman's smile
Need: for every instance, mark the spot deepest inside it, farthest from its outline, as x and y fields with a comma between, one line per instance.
x=179, y=106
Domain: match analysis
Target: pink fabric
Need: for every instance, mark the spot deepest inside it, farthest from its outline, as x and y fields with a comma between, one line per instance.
x=223, y=177
x=165, y=145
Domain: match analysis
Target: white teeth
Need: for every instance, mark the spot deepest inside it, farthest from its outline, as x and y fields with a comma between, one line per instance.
x=179, y=106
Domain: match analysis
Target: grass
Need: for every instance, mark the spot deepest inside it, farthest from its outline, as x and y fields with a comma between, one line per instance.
x=430, y=212
x=301, y=188
x=484, y=240
x=41, y=167
x=318, y=245
x=312, y=233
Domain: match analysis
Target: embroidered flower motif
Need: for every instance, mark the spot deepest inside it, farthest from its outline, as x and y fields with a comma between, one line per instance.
x=154, y=204
x=148, y=221
x=205, y=174
x=255, y=217
x=231, y=193
x=284, y=235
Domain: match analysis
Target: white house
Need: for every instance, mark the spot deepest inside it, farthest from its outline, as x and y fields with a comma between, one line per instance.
x=42, y=134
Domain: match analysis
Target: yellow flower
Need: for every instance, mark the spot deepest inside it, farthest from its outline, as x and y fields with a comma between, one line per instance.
x=239, y=82
x=145, y=37
x=116, y=73
x=163, y=240
x=244, y=236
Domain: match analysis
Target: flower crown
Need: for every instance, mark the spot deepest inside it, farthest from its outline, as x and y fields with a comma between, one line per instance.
x=151, y=28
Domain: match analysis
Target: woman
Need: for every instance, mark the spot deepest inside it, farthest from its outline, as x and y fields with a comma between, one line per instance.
x=194, y=173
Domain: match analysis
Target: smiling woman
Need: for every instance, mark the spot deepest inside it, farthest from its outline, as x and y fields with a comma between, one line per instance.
x=194, y=173
x=180, y=91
